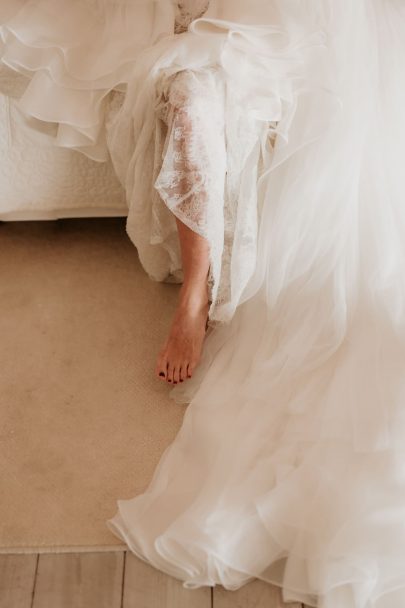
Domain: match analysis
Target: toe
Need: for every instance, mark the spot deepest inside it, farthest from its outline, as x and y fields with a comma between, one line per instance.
x=160, y=369
x=189, y=370
x=176, y=374
x=169, y=375
x=181, y=373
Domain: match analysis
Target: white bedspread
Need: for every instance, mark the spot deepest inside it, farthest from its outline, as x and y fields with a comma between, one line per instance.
x=39, y=180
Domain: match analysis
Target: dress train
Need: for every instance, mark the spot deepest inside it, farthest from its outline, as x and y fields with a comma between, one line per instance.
x=289, y=463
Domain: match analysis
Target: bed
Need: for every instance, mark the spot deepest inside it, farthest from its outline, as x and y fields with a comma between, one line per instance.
x=41, y=181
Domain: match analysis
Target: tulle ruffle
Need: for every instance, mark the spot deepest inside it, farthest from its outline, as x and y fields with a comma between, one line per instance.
x=289, y=463
x=264, y=73
x=73, y=54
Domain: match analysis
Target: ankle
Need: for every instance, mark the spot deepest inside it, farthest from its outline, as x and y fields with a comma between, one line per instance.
x=196, y=300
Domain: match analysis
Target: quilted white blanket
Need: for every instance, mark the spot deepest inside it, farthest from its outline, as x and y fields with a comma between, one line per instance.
x=39, y=180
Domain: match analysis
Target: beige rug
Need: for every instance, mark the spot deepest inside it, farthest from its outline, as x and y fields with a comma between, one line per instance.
x=83, y=421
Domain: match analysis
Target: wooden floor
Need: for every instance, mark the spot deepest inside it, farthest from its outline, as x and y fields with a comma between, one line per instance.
x=114, y=580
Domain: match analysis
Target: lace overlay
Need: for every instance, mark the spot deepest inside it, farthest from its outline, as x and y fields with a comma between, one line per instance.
x=204, y=142
x=195, y=154
x=192, y=177
x=187, y=11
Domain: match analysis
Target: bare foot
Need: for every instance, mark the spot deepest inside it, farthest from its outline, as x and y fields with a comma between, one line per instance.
x=182, y=349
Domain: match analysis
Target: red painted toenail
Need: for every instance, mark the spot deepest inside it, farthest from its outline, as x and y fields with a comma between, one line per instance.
x=161, y=374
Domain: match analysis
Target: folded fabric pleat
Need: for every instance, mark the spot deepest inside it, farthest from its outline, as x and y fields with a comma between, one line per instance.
x=73, y=55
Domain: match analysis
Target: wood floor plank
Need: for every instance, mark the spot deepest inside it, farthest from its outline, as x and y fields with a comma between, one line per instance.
x=147, y=587
x=17, y=576
x=79, y=580
x=256, y=594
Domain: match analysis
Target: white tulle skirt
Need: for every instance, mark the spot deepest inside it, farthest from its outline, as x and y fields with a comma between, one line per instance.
x=290, y=462
x=289, y=465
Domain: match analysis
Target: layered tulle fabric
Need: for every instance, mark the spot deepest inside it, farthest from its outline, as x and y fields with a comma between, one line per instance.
x=289, y=465
x=210, y=103
x=73, y=54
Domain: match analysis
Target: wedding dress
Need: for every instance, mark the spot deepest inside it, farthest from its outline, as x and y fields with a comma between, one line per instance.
x=289, y=465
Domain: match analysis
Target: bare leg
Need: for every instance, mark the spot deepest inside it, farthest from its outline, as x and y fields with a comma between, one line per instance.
x=195, y=121
x=182, y=349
